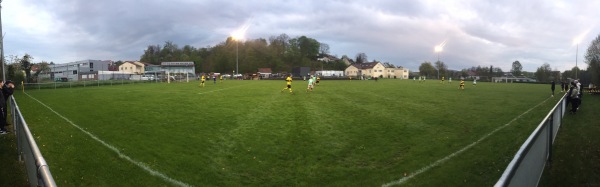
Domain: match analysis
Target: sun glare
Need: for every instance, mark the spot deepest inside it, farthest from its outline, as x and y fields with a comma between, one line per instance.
x=440, y=48
x=239, y=34
x=580, y=37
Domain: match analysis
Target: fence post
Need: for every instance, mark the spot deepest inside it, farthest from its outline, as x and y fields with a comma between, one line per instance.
x=550, y=137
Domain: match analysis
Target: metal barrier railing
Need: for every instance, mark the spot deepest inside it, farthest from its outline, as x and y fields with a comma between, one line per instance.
x=38, y=172
x=527, y=166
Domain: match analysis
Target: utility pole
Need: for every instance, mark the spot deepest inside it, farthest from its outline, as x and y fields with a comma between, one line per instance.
x=2, y=46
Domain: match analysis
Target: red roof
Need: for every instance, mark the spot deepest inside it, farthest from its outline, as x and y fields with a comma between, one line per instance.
x=265, y=70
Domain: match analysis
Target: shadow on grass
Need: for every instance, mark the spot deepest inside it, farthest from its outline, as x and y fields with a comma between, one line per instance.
x=576, y=157
x=12, y=171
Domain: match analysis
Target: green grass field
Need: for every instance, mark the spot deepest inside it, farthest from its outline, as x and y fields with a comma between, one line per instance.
x=248, y=133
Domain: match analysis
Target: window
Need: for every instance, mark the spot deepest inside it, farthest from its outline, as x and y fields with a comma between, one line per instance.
x=91, y=65
x=74, y=72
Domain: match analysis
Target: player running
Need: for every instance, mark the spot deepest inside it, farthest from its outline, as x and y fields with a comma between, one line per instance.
x=462, y=85
x=310, y=85
x=289, y=84
x=202, y=79
x=318, y=79
x=220, y=78
x=442, y=80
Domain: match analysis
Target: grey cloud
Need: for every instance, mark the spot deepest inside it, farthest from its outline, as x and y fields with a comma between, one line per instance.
x=400, y=32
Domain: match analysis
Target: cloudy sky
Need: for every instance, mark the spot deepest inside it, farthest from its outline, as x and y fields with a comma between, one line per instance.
x=400, y=32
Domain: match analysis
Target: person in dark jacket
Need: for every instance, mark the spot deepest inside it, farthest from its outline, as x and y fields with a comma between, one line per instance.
x=552, y=87
x=7, y=90
x=574, y=93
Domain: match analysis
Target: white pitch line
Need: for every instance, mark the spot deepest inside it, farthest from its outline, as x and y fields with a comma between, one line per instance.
x=441, y=161
x=114, y=149
x=221, y=89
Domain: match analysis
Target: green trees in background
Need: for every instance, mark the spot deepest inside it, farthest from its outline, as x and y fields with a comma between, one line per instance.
x=280, y=53
x=517, y=68
x=426, y=69
x=592, y=58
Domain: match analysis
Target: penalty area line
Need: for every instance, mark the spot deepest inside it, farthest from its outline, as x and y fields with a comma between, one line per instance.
x=441, y=161
x=220, y=89
x=114, y=149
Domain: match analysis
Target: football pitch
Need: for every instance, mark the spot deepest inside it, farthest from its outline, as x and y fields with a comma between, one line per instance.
x=248, y=133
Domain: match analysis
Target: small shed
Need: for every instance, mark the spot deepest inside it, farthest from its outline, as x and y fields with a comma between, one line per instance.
x=265, y=72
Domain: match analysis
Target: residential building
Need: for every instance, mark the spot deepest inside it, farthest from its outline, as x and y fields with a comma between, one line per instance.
x=327, y=58
x=353, y=70
x=376, y=69
x=133, y=67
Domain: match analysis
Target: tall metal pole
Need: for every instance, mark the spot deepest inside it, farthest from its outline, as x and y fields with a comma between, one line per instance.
x=2, y=46
x=236, y=57
x=576, y=54
x=440, y=63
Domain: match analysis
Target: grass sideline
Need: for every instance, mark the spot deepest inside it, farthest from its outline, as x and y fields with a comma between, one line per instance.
x=346, y=133
x=577, y=148
x=12, y=171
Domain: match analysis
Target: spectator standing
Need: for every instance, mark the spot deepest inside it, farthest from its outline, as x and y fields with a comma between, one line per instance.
x=562, y=86
x=574, y=93
x=7, y=91
x=552, y=88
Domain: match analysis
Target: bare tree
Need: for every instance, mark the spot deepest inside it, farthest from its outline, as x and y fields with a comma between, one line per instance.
x=324, y=48
x=361, y=58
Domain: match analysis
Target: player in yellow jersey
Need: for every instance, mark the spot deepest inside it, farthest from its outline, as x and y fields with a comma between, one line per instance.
x=289, y=83
x=462, y=85
x=442, y=80
x=318, y=79
x=202, y=79
x=220, y=78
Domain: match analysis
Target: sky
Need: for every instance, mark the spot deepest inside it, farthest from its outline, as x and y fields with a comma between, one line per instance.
x=404, y=33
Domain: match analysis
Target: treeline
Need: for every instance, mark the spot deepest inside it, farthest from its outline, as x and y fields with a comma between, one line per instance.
x=280, y=53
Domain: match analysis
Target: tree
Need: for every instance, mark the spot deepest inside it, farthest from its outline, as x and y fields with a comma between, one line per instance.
x=517, y=68
x=361, y=58
x=43, y=67
x=543, y=73
x=497, y=72
x=152, y=55
x=26, y=66
x=592, y=58
x=324, y=48
x=426, y=69
x=441, y=67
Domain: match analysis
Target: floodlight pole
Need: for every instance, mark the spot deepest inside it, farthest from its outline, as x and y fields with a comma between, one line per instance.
x=576, y=54
x=236, y=57
x=440, y=63
x=2, y=46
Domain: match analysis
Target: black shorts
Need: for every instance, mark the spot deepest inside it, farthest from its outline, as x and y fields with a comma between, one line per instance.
x=317, y=81
x=289, y=86
x=202, y=81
